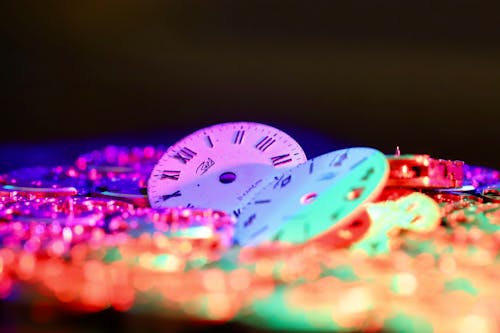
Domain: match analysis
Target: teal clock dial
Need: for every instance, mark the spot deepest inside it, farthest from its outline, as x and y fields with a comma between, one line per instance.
x=308, y=201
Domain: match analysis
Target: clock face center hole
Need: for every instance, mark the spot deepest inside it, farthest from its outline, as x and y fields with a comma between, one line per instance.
x=227, y=177
x=308, y=198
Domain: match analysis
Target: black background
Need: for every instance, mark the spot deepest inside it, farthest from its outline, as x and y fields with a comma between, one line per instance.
x=420, y=75
x=424, y=75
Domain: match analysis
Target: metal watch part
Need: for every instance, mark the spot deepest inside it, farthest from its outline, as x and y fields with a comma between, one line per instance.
x=422, y=171
x=415, y=212
x=218, y=166
x=49, y=181
x=489, y=193
x=117, y=160
x=38, y=192
x=314, y=200
x=479, y=176
x=130, y=189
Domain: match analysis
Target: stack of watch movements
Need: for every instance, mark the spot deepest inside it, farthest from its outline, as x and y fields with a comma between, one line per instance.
x=234, y=223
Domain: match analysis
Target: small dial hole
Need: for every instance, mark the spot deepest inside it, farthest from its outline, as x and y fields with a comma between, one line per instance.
x=227, y=177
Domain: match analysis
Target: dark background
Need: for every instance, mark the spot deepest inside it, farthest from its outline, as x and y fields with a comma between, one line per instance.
x=423, y=75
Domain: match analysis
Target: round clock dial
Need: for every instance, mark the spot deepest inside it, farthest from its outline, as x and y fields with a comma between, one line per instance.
x=307, y=201
x=218, y=166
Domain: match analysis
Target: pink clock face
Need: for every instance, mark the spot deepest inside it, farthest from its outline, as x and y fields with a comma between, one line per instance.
x=219, y=166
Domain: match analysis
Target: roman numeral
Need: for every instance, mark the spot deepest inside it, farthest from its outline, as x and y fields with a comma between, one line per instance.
x=338, y=160
x=357, y=163
x=168, y=196
x=282, y=181
x=184, y=155
x=258, y=232
x=338, y=213
x=249, y=221
x=238, y=137
x=209, y=142
x=278, y=236
x=328, y=176
x=311, y=168
x=237, y=212
x=262, y=201
x=368, y=174
x=265, y=143
x=170, y=174
x=280, y=159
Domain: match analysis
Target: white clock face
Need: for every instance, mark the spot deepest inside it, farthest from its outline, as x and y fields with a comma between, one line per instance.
x=305, y=202
x=219, y=166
